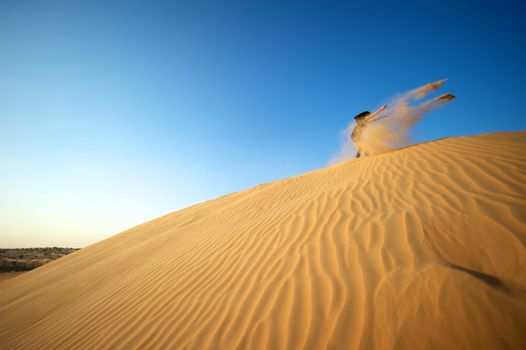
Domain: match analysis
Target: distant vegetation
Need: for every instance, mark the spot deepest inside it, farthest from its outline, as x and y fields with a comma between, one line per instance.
x=24, y=259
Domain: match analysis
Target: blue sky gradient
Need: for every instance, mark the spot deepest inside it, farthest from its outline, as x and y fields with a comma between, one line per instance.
x=113, y=113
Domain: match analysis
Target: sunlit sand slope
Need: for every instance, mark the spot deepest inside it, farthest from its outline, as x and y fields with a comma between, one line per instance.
x=423, y=247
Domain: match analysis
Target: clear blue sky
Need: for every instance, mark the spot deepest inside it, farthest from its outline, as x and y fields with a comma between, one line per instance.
x=113, y=113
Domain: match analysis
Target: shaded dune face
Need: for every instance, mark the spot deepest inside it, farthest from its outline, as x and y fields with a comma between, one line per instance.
x=423, y=247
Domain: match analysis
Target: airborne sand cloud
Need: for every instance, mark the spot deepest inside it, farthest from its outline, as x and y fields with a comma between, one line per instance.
x=393, y=131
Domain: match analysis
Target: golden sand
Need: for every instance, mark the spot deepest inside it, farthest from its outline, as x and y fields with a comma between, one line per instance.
x=423, y=247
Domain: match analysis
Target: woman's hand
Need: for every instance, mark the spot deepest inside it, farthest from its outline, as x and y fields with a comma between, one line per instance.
x=374, y=114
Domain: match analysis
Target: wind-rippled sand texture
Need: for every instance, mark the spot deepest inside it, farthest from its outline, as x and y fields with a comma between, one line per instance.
x=423, y=247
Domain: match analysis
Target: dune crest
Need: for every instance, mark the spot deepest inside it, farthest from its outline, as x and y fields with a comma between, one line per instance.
x=423, y=247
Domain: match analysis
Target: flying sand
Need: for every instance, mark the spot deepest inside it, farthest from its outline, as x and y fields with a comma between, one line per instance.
x=387, y=128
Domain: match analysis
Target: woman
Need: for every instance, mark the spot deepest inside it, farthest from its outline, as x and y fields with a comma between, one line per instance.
x=362, y=120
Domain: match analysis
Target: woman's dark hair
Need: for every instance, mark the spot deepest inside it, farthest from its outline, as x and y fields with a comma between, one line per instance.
x=362, y=115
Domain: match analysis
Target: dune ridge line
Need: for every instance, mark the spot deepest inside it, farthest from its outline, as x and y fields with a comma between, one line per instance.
x=422, y=247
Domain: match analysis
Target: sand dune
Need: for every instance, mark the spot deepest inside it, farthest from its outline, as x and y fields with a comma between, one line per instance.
x=7, y=275
x=423, y=247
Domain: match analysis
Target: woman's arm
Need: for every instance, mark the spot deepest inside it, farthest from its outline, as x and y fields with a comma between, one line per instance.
x=378, y=119
x=374, y=114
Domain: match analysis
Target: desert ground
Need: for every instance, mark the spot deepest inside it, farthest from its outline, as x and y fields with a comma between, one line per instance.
x=15, y=261
x=25, y=259
x=418, y=248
